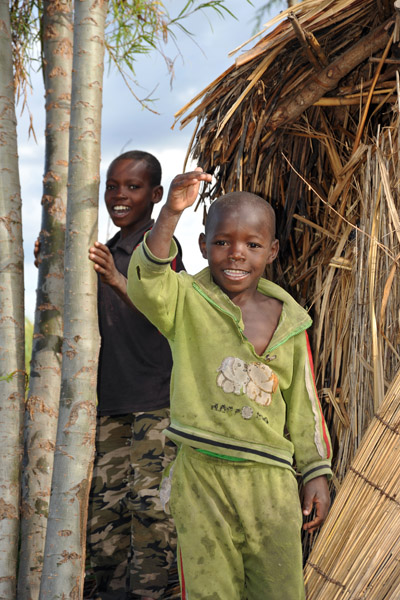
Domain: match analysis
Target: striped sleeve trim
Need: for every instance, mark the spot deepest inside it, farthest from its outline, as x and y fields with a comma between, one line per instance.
x=316, y=471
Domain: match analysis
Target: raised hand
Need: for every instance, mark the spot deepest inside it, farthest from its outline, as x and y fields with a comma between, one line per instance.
x=184, y=189
x=182, y=194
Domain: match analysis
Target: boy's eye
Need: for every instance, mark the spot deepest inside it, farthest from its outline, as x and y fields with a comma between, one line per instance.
x=110, y=186
x=253, y=245
x=220, y=243
x=132, y=186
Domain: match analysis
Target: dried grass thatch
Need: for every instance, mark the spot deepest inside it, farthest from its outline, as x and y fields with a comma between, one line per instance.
x=309, y=119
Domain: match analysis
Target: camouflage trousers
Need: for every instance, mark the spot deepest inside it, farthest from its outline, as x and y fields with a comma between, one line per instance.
x=131, y=541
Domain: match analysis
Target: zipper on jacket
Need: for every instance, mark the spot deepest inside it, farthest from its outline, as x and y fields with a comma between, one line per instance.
x=215, y=305
x=290, y=335
x=227, y=313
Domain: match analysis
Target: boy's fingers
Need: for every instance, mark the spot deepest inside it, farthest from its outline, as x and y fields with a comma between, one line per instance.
x=200, y=175
x=101, y=246
x=192, y=176
x=321, y=512
x=311, y=525
x=97, y=259
x=98, y=252
x=308, y=500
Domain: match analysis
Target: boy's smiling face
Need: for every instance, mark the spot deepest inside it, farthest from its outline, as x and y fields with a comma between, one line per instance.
x=239, y=244
x=130, y=195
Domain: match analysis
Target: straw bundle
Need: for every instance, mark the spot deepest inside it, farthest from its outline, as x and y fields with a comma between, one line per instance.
x=358, y=551
x=309, y=119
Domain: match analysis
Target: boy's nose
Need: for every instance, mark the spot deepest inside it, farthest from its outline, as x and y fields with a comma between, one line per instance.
x=120, y=192
x=236, y=253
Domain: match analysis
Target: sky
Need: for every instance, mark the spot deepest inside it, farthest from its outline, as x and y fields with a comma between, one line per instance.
x=127, y=126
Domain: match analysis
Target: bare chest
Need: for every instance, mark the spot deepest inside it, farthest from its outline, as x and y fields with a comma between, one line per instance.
x=260, y=323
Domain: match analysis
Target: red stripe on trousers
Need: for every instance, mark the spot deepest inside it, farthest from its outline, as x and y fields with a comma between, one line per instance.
x=328, y=448
x=183, y=587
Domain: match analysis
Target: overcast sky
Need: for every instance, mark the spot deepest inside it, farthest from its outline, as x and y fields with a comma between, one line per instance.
x=127, y=126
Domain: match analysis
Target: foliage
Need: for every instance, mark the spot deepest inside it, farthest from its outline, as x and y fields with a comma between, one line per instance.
x=24, y=35
x=190, y=8
x=8, y=377
x=138, y=26
x=133, y=28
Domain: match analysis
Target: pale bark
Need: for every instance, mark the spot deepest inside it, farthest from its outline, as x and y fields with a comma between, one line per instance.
x=64, y=561
x=45, y=375
x=12, y=351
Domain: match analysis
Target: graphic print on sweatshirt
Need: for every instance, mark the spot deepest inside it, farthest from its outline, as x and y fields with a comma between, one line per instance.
x=256, y=380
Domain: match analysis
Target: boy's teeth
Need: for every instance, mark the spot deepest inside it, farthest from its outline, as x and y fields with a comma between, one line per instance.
x=121, y=208
x=235, y=272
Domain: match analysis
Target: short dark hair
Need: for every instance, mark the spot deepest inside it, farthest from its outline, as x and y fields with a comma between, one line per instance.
x=235, y=199
x=152, y=162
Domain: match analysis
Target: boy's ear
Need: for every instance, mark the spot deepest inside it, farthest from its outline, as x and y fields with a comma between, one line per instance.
x=158, y=192
x=274, y=251
x=202, y=245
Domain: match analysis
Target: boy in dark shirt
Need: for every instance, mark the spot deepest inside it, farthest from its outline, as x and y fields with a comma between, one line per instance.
x=130, y=539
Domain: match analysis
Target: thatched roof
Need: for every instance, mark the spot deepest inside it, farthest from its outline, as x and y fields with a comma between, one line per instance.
x=309, y=119
x=325, y=54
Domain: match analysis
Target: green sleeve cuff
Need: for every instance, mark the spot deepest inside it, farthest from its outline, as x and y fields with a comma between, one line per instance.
x=155, y=260
x=316, y=470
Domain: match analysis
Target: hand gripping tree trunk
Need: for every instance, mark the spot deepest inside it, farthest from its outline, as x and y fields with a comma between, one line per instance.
x=45, y=376
x=64, y=560
x=12, y=351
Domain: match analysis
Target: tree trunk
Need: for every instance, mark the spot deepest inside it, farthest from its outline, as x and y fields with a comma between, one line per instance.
x=45, y=376
x=12, y=348
x=64, y=561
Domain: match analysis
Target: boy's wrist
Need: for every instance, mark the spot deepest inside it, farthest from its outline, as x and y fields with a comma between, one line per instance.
x=118, y=281
x=170, y=212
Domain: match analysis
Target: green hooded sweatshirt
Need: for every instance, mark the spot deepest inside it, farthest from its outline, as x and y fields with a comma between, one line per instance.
x=225, y=398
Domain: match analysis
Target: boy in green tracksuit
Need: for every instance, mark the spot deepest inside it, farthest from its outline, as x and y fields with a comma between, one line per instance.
x=243, y=401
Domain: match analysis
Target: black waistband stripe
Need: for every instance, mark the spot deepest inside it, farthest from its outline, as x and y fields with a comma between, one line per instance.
x=250, y=451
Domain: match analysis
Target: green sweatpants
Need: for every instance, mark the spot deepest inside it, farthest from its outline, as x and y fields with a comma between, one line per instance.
x=238, y=526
